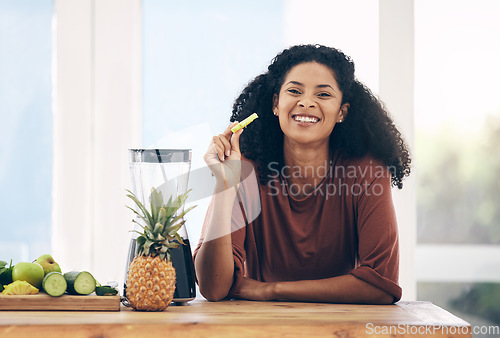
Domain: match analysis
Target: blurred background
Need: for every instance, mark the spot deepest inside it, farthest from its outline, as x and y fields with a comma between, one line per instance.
x=187, y=62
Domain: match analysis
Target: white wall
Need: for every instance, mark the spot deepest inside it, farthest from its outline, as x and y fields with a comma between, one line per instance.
x=396, y=88
x=97, y=117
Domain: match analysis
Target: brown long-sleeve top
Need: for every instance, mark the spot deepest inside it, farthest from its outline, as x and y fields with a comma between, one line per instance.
x=346, y=226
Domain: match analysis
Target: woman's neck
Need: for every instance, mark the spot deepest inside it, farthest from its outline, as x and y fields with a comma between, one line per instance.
x=305, y=166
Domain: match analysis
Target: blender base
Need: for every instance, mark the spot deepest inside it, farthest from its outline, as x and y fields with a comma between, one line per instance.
x=181, y=301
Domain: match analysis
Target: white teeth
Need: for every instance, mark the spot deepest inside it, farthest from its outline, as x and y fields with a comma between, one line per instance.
x=307, y=119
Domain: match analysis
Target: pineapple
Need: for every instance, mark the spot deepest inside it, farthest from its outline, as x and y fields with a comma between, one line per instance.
x=20, y=288
x=151, y=275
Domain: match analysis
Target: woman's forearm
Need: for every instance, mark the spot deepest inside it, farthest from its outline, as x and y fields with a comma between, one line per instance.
x=341, y=289
x=214, y=261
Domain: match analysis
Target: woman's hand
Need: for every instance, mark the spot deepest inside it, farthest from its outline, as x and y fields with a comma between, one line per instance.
x=255, y=290
x=223, y=157
x=340, y=289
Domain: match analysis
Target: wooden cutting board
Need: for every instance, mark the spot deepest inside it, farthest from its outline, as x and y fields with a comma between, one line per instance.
x=44, y=302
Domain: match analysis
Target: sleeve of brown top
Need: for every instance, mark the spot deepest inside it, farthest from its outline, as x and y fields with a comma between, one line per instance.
x=245, y=208
x=378, y=262
x=237, y=237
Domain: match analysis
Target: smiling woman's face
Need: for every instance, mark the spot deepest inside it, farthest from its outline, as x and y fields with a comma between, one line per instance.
x=309, y=104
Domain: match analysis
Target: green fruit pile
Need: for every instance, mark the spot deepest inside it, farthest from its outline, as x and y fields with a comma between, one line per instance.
x=44, y=273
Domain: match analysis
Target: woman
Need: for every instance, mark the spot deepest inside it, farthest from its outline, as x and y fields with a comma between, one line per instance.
x=325, y=153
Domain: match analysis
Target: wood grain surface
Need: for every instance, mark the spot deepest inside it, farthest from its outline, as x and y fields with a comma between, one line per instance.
x=45, y=302
x=201, y=318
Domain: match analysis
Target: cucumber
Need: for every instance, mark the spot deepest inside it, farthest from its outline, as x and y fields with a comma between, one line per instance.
x=80, y=282
x=105, y=290
x=54, y=284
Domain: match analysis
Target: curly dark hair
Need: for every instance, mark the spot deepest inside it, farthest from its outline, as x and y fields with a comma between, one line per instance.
x=367, y=128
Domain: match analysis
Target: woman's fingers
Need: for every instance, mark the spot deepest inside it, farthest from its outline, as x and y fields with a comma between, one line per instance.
x=219, y=146
x=224, y=158
x=235, y=141
x=227, y=145
x=223, y=145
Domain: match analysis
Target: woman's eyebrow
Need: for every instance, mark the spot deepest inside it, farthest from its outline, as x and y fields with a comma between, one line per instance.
x=297, y=83
x=325, y=86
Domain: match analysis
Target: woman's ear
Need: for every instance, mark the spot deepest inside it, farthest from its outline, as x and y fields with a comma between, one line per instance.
x=275, y=104
x=344, y=110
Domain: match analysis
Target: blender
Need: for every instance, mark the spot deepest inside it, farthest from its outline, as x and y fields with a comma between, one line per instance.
x=167, y=170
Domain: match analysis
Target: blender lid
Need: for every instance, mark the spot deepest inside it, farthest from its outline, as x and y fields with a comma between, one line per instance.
x=160, y=155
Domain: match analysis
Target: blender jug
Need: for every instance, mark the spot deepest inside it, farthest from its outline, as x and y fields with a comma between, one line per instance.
x=167, y=170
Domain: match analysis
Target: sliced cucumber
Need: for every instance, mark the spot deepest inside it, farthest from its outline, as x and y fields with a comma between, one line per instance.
x=54, y=284
x=105, y=290
x=80, y=282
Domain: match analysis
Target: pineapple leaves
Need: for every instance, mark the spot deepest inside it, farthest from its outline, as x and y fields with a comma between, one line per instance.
x=147, y=245
x=158, y=229
x=156, y=200
x=141, y=240
x=138, y=214
x=174, y=228
x=145, y=211
x=161, y=230
x=172, y=206
x=181, y=215
x=162, y=216
x=172, y=245
x=147, y=232
x=179, y=239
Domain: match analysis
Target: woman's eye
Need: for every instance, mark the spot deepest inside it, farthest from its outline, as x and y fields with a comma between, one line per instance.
x=324, y=95
x=293, y=91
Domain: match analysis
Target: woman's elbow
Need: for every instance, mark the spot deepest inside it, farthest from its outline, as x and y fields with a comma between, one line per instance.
x=383, y=299
x=213, y=295
x=212, y=288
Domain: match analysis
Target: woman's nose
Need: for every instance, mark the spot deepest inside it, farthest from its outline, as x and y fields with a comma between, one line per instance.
x=306, y=103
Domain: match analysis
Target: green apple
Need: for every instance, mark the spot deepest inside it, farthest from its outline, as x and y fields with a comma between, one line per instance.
x=48, y=264
x=29, y=272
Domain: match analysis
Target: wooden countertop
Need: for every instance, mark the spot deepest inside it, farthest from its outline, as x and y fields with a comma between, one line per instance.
x=201, y=318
